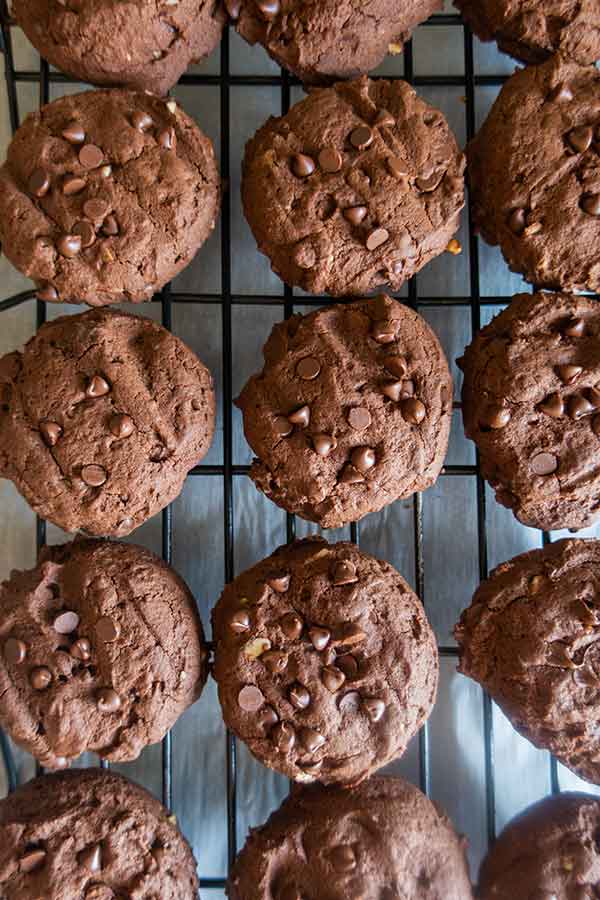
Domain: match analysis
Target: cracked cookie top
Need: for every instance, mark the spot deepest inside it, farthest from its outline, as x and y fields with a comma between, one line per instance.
x=534, y=173
x=91, y=835
x=102, y=416
x=358, y=186
x=351, y=411
x=531, y=403
x=106, y=195
x=101, y=650
x=325, y=661
x=530, y=638
x=136, y=43
x=333, y=39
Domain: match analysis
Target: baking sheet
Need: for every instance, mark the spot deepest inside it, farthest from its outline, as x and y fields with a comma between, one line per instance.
x=458, y=751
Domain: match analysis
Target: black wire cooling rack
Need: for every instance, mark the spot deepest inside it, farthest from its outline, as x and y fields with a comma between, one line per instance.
x=226, y=300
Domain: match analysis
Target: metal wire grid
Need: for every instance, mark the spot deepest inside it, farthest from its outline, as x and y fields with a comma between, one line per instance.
x=225, y=81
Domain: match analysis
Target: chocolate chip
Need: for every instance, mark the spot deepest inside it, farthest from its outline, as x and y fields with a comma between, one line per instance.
x=384, y=117
x=166, y=138
x=359, y=418
x=342, y=858
x=81, y=649
x=121, y=425
x=95, y=209
x=344, y=572
x=392, y=389
x=397, y=167
x=74, y=133
x=15, y=651
x=299, y=696
x=91, y=858
x=40, y=678
x=580, y=138
x=384, y=331
x=284, y=737
x=396, y=365
x=66, y=622
x=302, y=165
x=413, y=410
x=279, y=582
x=72, y=184
x=93, y=475
x=333, y=678
x=377, y=238
x=568, y=374
x=97, y=387
x=69, y=245
x=86, y=232
x=428, y=183
x=267, y=717
x=323, y=444
x=233, y=8
x=240, y=621
x=363, y=458
x=141, y=120
x=374, y=708
x=553, y=405
x=282, y=426
x=350, y=702
x=517, y=221
x=250, y=698
x=350, y=475
x=291, y=625
x=495, y=416
x=269, y=9
x=355, y=214
x=91, y=156
x=361, y=137
x=575, y=327
x=50, y=432
x=32, y=860
x=593, y=395
x=330, y=160
x=310, y=739
x=590, y=204
x=48, y=293
x=544, y=463
x=110, y=226
x=274, y=660
x=578, y=407
x=39, y=183
x=300, y=417
x=308, y=368
x=562, y=93
x=319, y=637
x=348, y=664
x=596, y=425
x=108, y=701
x=107, y=629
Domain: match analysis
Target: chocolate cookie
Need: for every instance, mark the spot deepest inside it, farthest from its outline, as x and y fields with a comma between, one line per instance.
x=383, y=840
x=549, y=851
x=325, y=661
x=358, y=186
x=529, y=638
x=530, y=403
x=101, y=417
x=351, y=411
x=101, y=649
x=146, y=46
x=91, y=835
x=330, y=39
x=534, y=172
x=531, y=30
x=106, y=195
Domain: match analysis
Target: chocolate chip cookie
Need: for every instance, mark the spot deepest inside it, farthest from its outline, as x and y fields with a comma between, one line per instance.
x=531, y=400
x=358, y=186
x=351, y=411
x=381, y=840
x=529, y=637
x=534, y=171
x=146, y=46
x=325, y=661
x=549, y=851
x=106, y=195
x=101, y=649
x=102, y=416
x=333, y=39
x=91, y=835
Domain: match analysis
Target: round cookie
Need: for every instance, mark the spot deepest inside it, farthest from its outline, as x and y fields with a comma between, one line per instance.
x=351, y=411
x=91, y=835
x=101, y=649
x=534, y=173
x=107, y=195
x=528, y=639
x=531, y=403
x=358, y=186
x=332, y=39
x=549, y=851
x=102, y=416
x=325, y=661
x=531, y=30
x=382, y=840
x=145, y=46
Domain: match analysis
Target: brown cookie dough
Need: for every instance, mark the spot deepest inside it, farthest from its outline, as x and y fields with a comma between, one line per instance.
x=530, y=639
x=351, y=411
x=549, y=851
x=382, y=840
x=531, y=30
x=531, y=403
x=142, y=45
x=102, y=416
x=91, y=835
x=325, y=661
x=107, y=195
x=101, y=649
x=333, y=39
x=534, y=173
x=358, y=186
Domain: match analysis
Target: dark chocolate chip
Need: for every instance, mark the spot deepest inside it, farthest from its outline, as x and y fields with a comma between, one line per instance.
x=81, y=649
x=344, y=572
x=15, y=651
x=333, y=678
x=553, y=405
x=121, y=426
x=85, y=232
x=300, y=417
x=93, y=475
x=568, y=373
x=141, y=120
x=40, y=678
x=374, y=708
x=280, y=582
x=69, y=245
x=39, y=183
x=299, y=696
x=311, y=739
x=91, y=858
x=363, y=458
x=302, y=165
x=330, y=160
x=284, y=737
x=97, y=387
x=413, y=410
x=72, y=184
x=48, y=293
x=50, y=432
x=590, y=204
x=308, y=368
x=74, y=133
x=517, y=221
x=239, y=621
x=292, y=625
x=107, y=629
x=580, y=138
x=361, y=137
x=495, y=416
x=91, y=156
x=108, y=701
x=319, y=637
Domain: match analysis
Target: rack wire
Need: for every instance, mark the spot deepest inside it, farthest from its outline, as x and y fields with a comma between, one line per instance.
x=227, y=300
